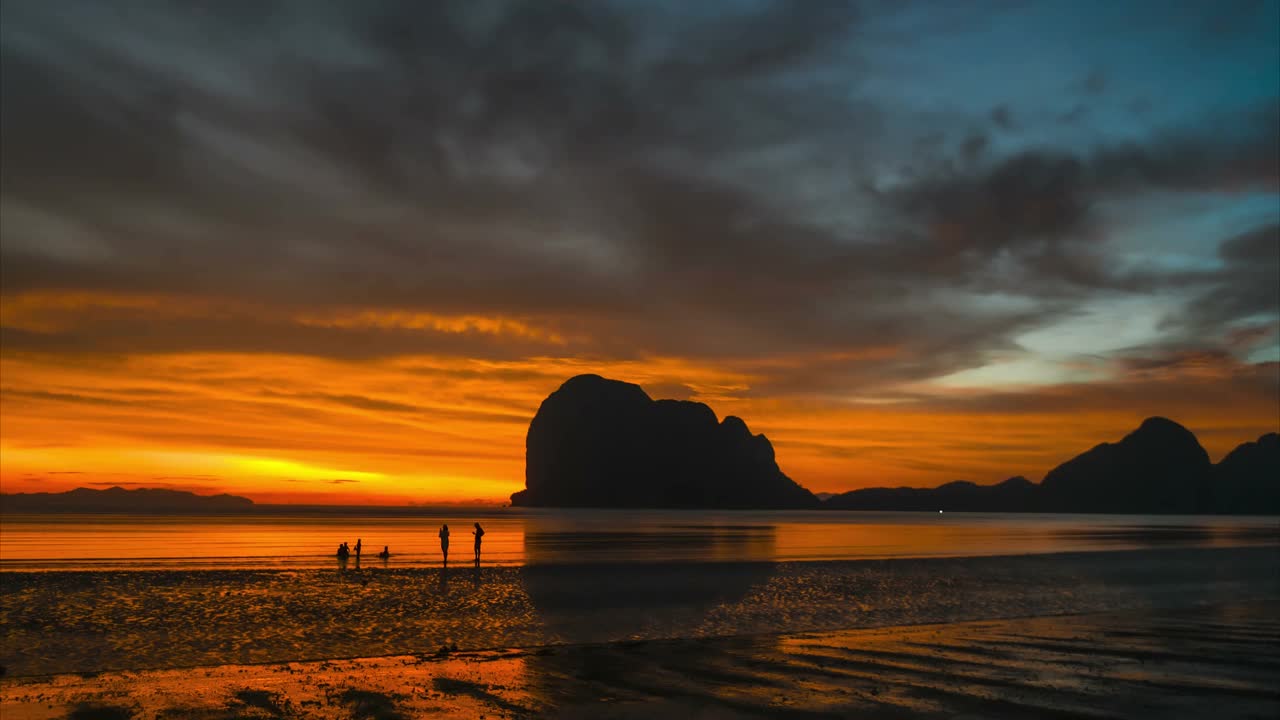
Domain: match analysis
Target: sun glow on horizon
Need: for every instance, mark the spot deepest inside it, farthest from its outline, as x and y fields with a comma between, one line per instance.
x=283, y=428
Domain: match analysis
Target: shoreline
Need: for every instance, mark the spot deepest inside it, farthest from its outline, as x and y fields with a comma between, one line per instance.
x=1171, y=663
x=563, y=537
x=328, y=563
x=92, y=621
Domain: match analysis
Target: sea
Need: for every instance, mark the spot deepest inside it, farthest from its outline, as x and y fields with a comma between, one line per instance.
x=86, y=593
x=292, y=538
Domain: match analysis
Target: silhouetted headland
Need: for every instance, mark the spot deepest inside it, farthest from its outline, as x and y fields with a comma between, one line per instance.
x=119, y=500
x=1158, y=468
x=605, y=443
x=1249, y=477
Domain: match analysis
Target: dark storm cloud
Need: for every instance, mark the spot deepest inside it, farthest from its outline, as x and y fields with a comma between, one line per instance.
x=456, y=163
x=588, y=167
x=1246, y=288
x=1243, y=154
x=1028, y=222
x=1256, y=248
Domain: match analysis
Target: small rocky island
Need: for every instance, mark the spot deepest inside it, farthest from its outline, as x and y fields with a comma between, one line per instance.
x=604, y=443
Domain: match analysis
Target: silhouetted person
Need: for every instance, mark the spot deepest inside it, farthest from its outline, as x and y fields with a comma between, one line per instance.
x=479, y=533
x=358, y=543
x=343, y=552
x=386, y=552
x=444, y=542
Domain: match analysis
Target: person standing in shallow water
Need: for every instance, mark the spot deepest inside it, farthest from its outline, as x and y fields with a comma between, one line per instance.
x=444, y=542
x=479, y=533
x=358, y=543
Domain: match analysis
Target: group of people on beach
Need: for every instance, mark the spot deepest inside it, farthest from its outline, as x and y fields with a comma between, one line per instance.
x=344, y=552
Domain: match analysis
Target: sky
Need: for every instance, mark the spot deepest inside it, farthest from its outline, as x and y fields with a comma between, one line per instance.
x=339, y=252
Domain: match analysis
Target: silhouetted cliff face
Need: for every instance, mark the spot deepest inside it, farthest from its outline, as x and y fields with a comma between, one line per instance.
x=116, y=499
x=1017, y=494
x=1158, y=468
x=604, y=443
x=1247, y=480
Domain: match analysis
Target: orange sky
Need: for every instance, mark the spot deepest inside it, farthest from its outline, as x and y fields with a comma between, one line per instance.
x=341, y=256
x=421, y=428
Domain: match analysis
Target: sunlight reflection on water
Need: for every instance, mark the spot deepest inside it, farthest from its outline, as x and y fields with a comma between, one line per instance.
x=517, y=537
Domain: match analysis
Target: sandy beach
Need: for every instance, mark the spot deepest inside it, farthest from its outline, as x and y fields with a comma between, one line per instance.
x=1170, y=633
x=93, y=621
x=1221, y=661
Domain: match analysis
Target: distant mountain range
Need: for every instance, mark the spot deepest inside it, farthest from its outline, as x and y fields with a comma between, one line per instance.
x=597, y=442
x=119, y=500
x=1158, y=468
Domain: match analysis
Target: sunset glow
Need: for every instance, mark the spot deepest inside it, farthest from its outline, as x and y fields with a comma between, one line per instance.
x=339, y=258
x=420, y=429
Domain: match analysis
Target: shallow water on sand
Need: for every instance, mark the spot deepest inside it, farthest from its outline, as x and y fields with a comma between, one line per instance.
x=112, y=619
x=1221, y=662
x=307, y=539
x=93, y=592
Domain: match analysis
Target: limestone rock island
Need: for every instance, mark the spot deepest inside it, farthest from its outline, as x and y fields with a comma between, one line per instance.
x=604, y=443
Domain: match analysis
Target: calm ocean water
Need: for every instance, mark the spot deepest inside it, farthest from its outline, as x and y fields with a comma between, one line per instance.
x=135, y=592
x=298, y=540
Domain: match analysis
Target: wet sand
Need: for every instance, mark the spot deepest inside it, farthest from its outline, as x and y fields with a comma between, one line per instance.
x=91, y=621
x=1220, y=661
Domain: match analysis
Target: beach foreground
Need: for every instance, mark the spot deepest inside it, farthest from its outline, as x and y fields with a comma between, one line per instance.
x=79, y=622
x=1220, y=661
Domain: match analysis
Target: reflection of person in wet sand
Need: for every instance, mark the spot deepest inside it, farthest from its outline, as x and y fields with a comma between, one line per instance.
x=479, y=533
x=444, y=542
